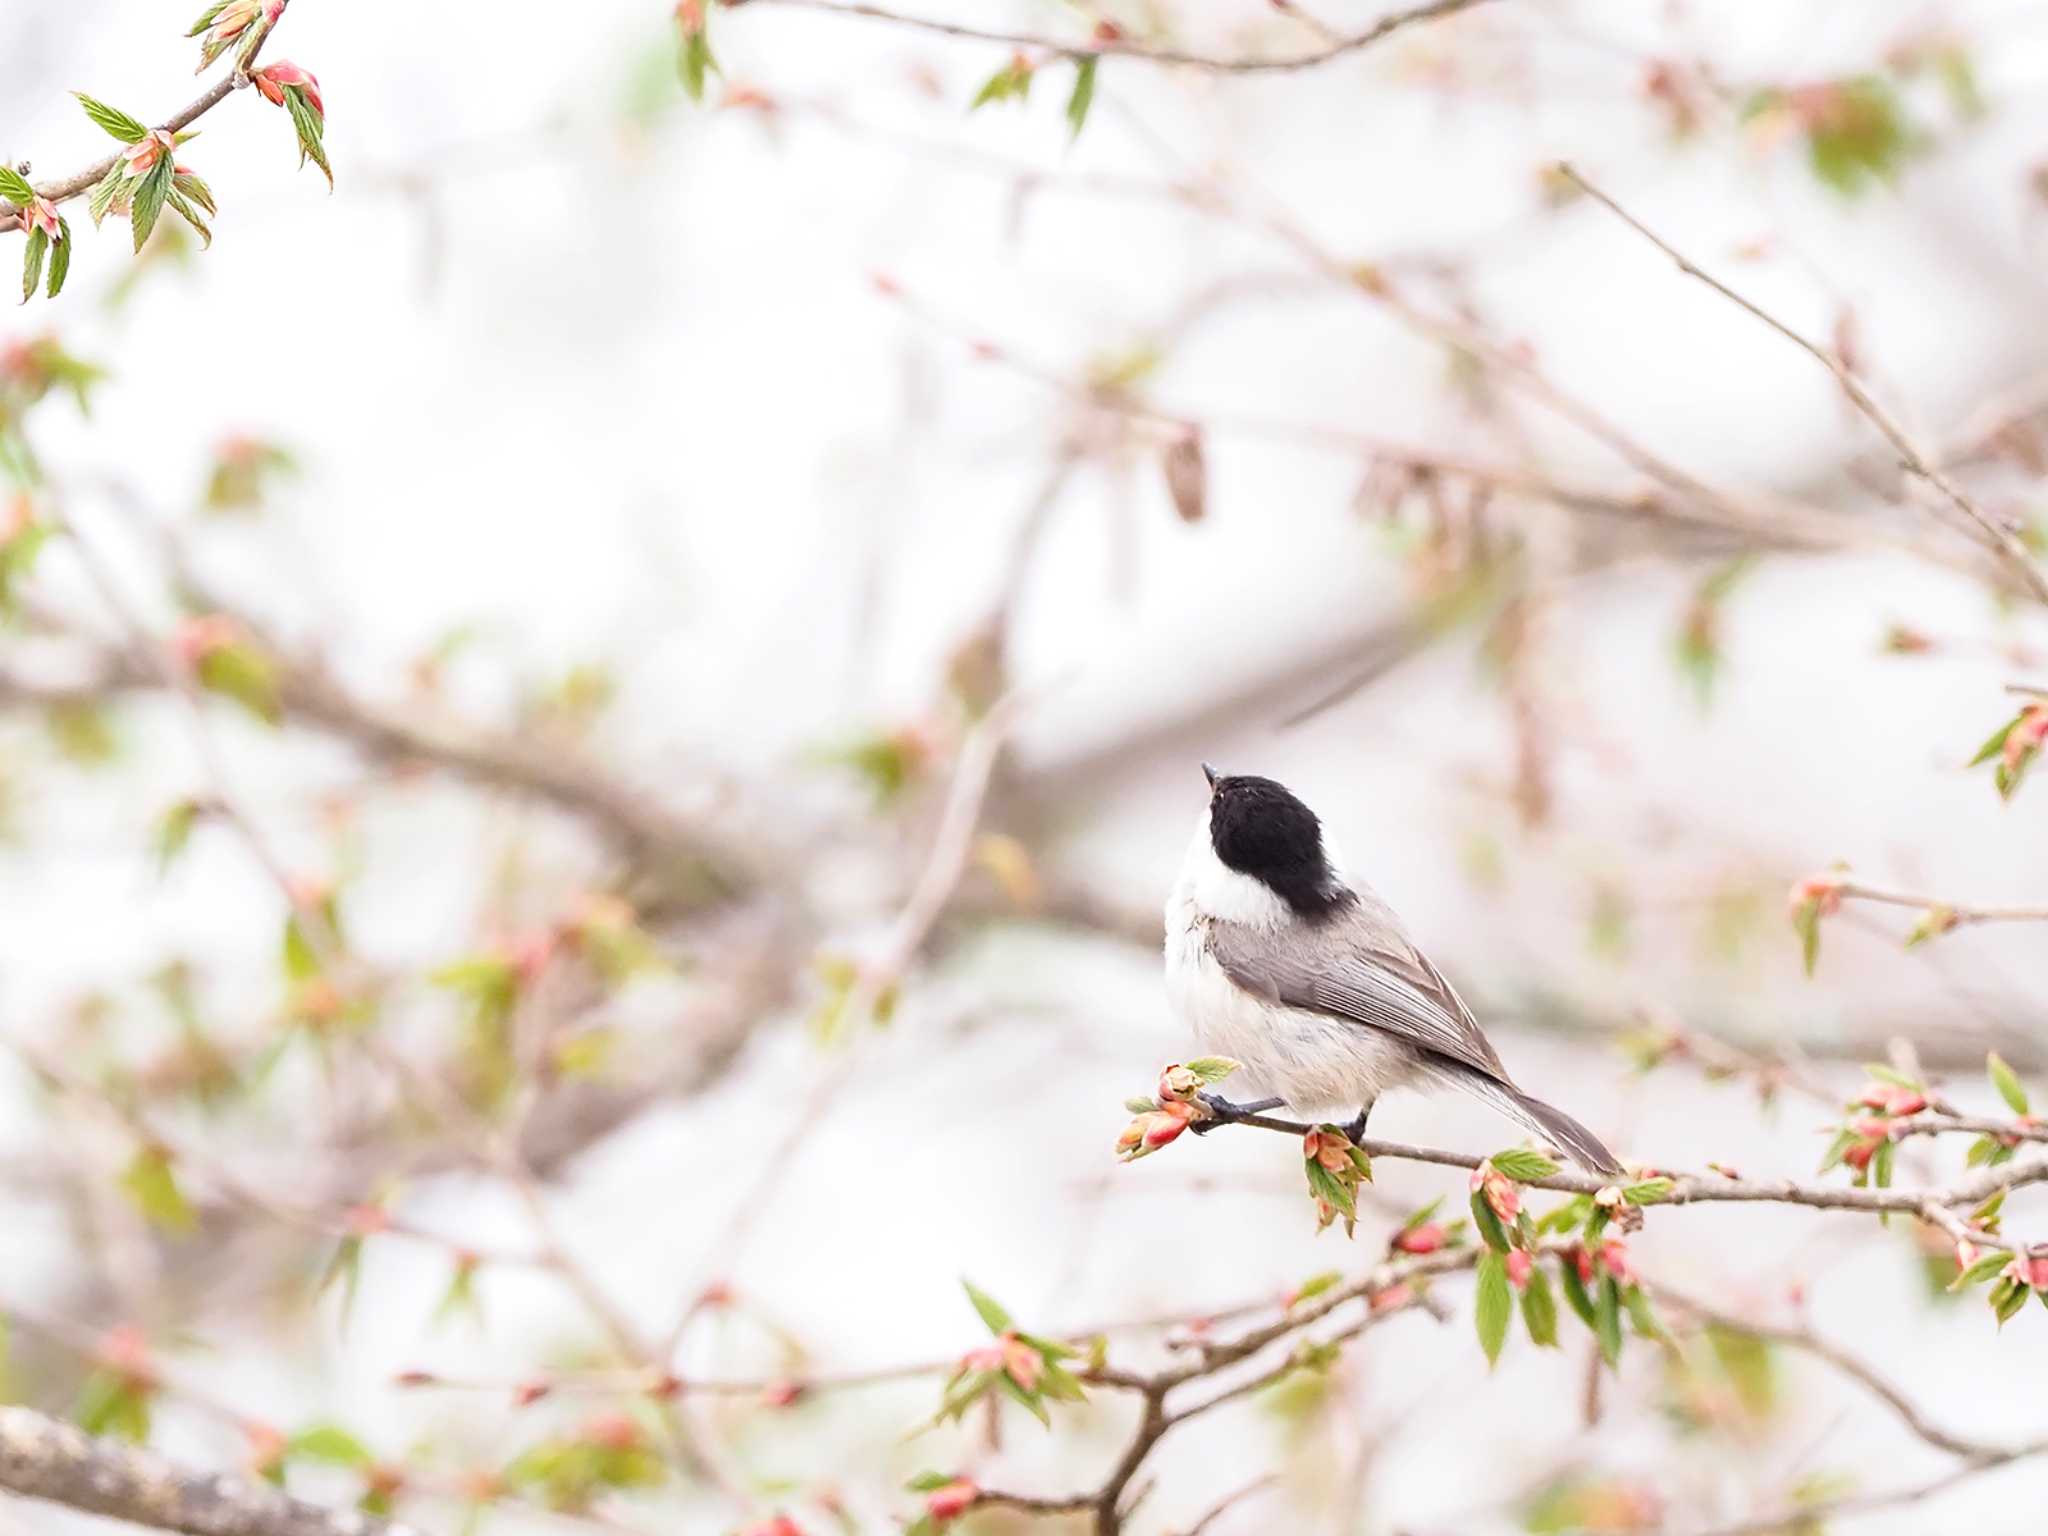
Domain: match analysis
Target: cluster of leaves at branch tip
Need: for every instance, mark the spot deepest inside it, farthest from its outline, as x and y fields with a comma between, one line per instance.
x=1176, y=1103
x=146, y=176
x=2012, y=748
x=695, y=63
x=49, y=235
x=1864, y=1144
x=244, y=472
x=1012, y=82
x=1023, y=1367
x=1699, y=649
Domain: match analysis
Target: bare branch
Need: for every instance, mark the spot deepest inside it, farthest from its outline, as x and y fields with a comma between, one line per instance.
x=45, y=1458
x=2002, y=537
x=1124, y=47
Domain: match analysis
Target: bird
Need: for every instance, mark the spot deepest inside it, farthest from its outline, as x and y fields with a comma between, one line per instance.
x=1309, y=980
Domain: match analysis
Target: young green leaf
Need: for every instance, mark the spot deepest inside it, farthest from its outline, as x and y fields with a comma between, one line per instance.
x=14, y=186
x=2007, y=1082
x=990, y=1309
x=112, y=119
x=32, y=263
x=1539, y=1309
x=1492, y=1305
x=152, y=1184
x=60, y=260
x=1522, y=1165
x=1986, y=1266
x=1082, y=97
x=1648, y=1192
x=1491, y=1232
x=329, y=1444
x=148, y=200
x=1576, y=1295
x=1607, y=1320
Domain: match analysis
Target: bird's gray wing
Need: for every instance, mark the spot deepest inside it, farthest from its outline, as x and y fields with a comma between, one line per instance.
x=1359, y=965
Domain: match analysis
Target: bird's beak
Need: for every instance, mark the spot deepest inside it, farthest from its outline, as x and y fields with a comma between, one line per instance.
x=1211, y=775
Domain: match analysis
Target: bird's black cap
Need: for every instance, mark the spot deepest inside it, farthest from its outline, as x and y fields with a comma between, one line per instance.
x=1261, y=829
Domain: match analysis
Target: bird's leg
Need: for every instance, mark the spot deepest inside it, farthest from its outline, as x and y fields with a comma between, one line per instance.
x=1223, y=1112
x=1356, y=1129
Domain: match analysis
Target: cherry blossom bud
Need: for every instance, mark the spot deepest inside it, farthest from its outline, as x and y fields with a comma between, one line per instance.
x=1178, y=1083
x=2027, y=735
x=414, y=1378
x=1024, y=1363
x=1501, y=1192
x=529, y=955
x=1859, y=1155
x=613, y=1431
x=271, y=80
x=1582, y=1261
x=782, y=1394
x=1822, y=892
x=41, y=214
x=1873, y=1130
x=1904, y=1101
x=1967, y=1253
x=266, y=1448
x=125, y=1351
x=781, y=1525
x=199, y=637
x=953, y=1500
x=1426, y=1238
x=2029, y=1270
x=1614, y=1259
x=1519, y=1263
x=1393, y=1296
x=988, y=1358
x=140, y=158
x=1108, y=32
x=529, y=1392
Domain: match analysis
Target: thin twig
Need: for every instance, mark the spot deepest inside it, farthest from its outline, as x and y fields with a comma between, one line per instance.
x=2002, y=537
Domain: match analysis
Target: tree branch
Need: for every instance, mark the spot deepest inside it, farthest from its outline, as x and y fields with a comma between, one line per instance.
x=1130, y=48
x=2002, y=537
x=45, y=1458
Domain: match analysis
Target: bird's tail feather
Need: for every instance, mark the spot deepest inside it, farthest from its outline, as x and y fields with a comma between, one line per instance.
x=1553, y=1125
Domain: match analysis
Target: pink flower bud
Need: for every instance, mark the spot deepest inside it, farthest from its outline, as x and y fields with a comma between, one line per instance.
x=1904, y=1101
x=140, y=158
x=781, y=1525
x=1501, y=1192
x=271, y=80
x=782, y=1393
x=1024, y=1363
x=41, y=214
x=1426, y=1238
x=1822, y=892
x=613, y=1431
x=1178, y=1083
x=1582, y=1261
x=953, y=1500
x=1876, y=1096
x=2029, y=1270
x=1519, y=1263
x=1393, y=1296
x=987, y=1358
x=1967, y=1253
x=1859, y=1155
x=529, y=1392
x=1873, y=1130
x=1614, y=1259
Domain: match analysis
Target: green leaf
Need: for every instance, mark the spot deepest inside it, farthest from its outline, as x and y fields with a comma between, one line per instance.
x=112, y=119
x=111, y=1404
x=1492, y=1305
x=990, y=1309
x=2007, y=1297
x=1522, y=1165
x=191, y=216
x=1576, y=1295
x=1007, y=1384
x=1986, y=1266
x=311, y=129
x=2007, y=1082
x=193, y=187
x=32, y=263
x=60, y=260
x=1806, y=923
x=15, y=187
x=1648, y=1192
x=149, y=196
x=1326, y=1186
x=1491, y=1232
x=1212, y=1069
x=1889, y=1075
x=1315, y=1285
x=1539, y=1309
x=1607, y=1320
x=697, y=63
x=1010, y=83
x=104, y=193
x=152, y=1184
x=1641, y=1315
x=241, y=672
x=1082, y=97
x=329, y=1444
x=1996, y=745
x=925, y=1482
x=206, y=17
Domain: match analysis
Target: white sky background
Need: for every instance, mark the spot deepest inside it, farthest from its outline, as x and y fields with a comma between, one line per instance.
x=624, y=391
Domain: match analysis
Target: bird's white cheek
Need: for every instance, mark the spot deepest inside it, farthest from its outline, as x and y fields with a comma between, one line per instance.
x=1216, y=890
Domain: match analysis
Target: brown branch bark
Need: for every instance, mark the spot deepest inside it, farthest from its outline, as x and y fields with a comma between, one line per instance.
x=1131, y=48
x=45, y=1458
x=2001, y=537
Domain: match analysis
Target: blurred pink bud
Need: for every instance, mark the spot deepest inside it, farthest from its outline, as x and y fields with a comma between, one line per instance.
x=1393, y=1296
x=529, y=954
x=782, y=1394
x=140, y=158
x=1614, y=1259
x=41, y=214
x=1178, y=1083
x=1873, y=1130
x=1967, y=1253
x=1822, y=892
x=781, y=1525
x=1330, y=1148
x=613, y=1431
x=271, y=80
x=414, y=1378
x=1024, y=1363
x=267, y=1446
x=690, y=16
x=125, y=1349
x=198, y=638
x=2029, y=1270
x=1859, y=1155
x=953, y=1500
x=988, y=1358
x=1426, y=1238
x=366, y=1220
x=1108, y=32
x=1519, y=1264
x=1582, y=1261
x=1501, y=1192
x=2027, y=734
x=529, y=1392
x=1904, y=1101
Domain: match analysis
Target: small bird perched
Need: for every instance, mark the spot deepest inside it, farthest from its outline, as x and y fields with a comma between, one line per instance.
x=1312, y=983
